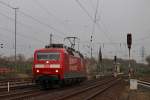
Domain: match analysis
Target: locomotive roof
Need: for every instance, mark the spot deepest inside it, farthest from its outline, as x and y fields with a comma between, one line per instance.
x=59, y=46
x=70, y=50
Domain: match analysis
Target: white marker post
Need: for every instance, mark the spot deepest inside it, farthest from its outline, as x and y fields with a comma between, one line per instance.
x=133, y=84
x=8, y=87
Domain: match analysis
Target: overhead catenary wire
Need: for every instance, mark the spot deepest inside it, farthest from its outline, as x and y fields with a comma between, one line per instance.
x=142, y=39
x=19, y=32
x=93, y=29
x=19, y=22
x=6, y=4
x=137, y=41
x=25, y=25
x=51, y=14
x=99, y=12
x=23, y=36
x=61, y=34
x=35, y=19
x=97, y=24
x=95, y=16
x=28, y=26
x=91, y=3
x=45, y=24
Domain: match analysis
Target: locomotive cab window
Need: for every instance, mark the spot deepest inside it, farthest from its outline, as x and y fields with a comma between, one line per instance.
x=48, y=56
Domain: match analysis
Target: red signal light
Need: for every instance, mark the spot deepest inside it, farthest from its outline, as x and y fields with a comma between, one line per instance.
x=129, y=40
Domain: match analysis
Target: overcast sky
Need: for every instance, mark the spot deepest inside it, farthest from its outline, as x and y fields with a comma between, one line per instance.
x=62, y=18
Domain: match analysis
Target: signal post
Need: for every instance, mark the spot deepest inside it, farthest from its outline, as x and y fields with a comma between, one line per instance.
x=129, y=43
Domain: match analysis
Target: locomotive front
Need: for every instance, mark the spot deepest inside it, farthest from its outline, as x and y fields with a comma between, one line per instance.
x=47, y=67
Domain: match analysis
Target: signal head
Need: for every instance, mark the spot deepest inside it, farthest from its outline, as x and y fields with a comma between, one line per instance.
x=129, y=40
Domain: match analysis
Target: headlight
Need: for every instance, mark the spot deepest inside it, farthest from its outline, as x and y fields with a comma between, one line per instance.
x=39, y=66
x=55, y=66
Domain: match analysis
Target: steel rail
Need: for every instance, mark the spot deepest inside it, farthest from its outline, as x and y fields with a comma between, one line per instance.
x=143, y=83
x=109, y=85
x=69, y=95
x=16, y=86
x=7, y=95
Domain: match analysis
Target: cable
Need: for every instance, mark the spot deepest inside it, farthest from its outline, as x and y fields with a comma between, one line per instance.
x=23, y=36
x=144, y=38
x=31, y=17
x=25, y=25
x=84, y=10
x=19, y=23
x=6, y=4
x=12, y=19
x=95, y=17
x=98, y=25
x=50, y=13
x=47, y=25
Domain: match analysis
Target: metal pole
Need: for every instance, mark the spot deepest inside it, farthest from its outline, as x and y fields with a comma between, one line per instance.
x=15, y=33
x=91, y=45
x=129, y=64
x=78, y=44
x=50, y=39
x=129, y=60
x=129, y=43
x=91, y=51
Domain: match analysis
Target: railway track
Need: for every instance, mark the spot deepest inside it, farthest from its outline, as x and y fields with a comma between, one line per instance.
x=14, y=84
x=14, y=93
x=144, y=83
x=26, y=94
x=89, y=92
x=77, y=92
x=81, y=91
x=15, y=81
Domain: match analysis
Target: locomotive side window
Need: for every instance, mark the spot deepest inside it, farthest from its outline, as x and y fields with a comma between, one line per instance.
x=48, y=56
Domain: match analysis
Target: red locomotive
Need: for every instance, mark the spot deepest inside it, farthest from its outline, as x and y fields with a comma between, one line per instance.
x=57, y=64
